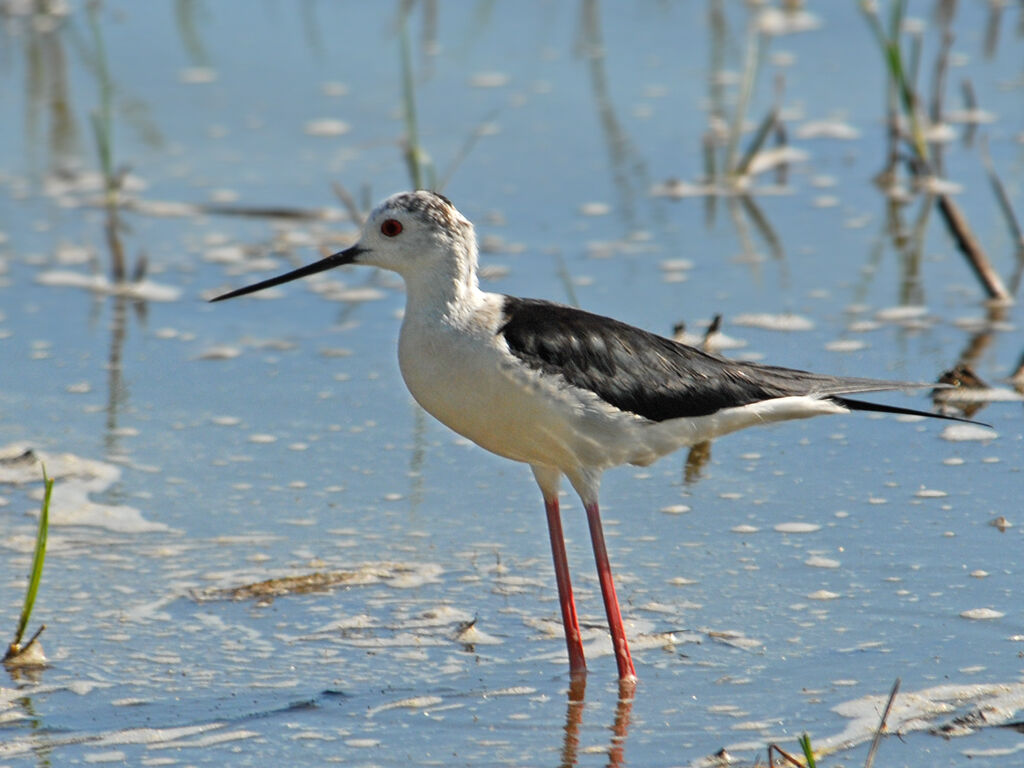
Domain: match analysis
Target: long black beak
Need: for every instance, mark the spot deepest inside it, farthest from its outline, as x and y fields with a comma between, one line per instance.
x=348, y=256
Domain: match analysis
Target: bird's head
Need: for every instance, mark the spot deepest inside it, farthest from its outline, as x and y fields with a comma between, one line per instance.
x=412, y=233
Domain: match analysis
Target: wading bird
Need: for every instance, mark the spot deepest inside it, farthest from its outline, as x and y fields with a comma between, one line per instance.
x=566, y=391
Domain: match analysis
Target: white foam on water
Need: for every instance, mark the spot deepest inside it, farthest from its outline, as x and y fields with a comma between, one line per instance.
x=76, y=479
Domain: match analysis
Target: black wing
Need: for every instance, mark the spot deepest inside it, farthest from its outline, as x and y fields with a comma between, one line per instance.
x=655, y=377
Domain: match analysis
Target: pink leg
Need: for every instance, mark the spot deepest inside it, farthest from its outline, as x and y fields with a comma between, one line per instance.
x=573, y=642
x=611, y=602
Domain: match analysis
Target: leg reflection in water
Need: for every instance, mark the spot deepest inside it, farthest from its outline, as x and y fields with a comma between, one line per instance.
x=574, y=722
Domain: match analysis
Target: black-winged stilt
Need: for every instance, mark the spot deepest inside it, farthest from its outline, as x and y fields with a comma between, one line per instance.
x=565, y=391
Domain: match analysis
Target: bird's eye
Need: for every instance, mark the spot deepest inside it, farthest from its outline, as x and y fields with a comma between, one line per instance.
x=391, y=228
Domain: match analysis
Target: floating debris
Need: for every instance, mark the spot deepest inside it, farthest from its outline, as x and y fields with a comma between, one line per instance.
x=197, y=75
x=901, y=314
x=770, y=322
x=817, y=561
x=318, y=581
x=939, y=133
x=220, y=352
x=335, y=352
x=964, y=395
x=971, y=116
x=845, y=345
x=327, y=127
x=335, y=291
x=675, y=509
x=489, y=80
x=595, y=209
x=962, y=433
x=493, y=243
x=676, y=188
x=827, y=129
x=27, y=657
x=948, y=710
x=675, y=265
x=74, y=255
x=682, y=581
x=776, y=21
x=744, y=529
x=362, y=743
x=333, y=88
x=143, y=290
x=981, y=614
x=769, y=159
x=226, y=254
x=469, y=634
x=797, y=527
x=734, y=638
x=823, y=594
x=416, y=702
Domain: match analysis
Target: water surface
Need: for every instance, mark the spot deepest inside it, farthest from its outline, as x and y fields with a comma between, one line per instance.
x=200, y=448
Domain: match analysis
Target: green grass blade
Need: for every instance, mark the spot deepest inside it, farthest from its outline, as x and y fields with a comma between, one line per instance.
x=37, y=561
x=101, y=133
x=889, y=42
x=805, y=745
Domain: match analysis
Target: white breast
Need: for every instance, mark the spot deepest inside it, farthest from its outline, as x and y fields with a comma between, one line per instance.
x=462, y=373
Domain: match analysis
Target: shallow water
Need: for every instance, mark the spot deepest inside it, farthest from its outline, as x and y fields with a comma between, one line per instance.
x=200, y=448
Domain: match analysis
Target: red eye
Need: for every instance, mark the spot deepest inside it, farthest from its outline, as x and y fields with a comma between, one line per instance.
x=391, y=228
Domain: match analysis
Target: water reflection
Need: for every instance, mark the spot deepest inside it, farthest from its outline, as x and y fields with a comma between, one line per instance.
x=619, y=727
x=573, y=722
x=42, y=748
x=925, y=136
x=44, y=32
x=116, y=392
x=727, y=172
x=188, y=14
x=48, y=96
x=625, y=162
x=744, y=208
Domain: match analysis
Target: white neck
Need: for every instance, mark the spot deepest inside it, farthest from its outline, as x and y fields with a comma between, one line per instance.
x=449, y=289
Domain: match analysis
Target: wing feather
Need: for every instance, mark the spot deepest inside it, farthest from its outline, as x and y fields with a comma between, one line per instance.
x=655, y=377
